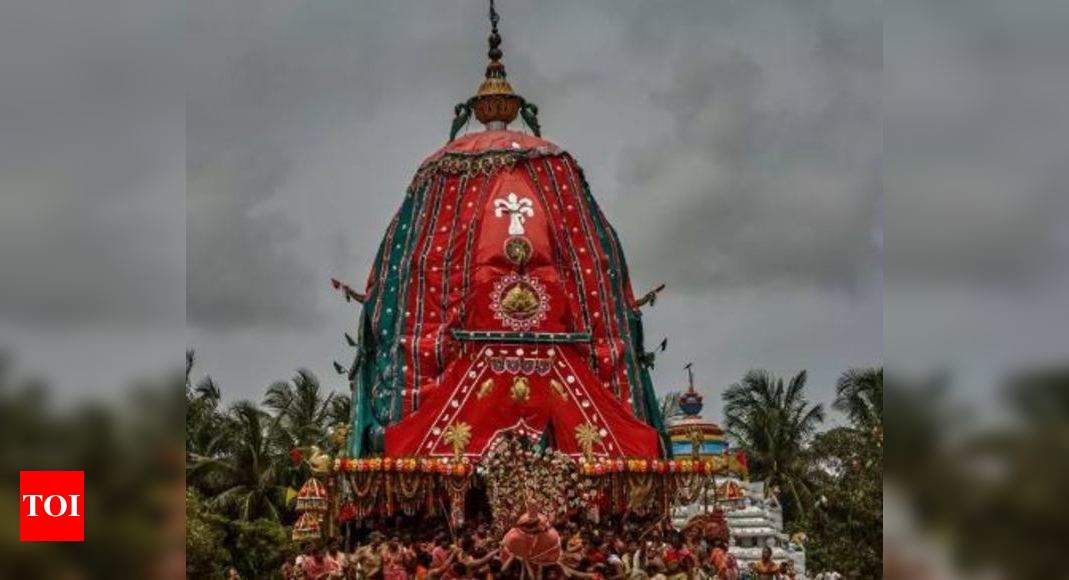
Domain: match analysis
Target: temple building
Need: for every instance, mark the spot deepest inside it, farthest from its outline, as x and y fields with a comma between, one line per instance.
x=690, y=435
x=754, y=518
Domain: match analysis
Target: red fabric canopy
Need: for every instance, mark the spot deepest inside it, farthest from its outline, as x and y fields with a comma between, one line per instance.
x=500, y=300
x=561, y=394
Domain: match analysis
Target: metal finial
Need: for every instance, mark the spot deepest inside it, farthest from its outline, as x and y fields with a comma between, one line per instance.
x=495, y=104
x=690, y=374
x=495, y=69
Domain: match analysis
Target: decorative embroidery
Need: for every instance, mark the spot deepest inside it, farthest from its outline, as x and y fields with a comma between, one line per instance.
x=521, y=390
x=484, y=162
x=458, y=435
x=487, y=386
x=517, y=208
x=519, y=301
x=586, y=436
x=518, y=250
x=559, y=388
x=536, y=337
x=516, y=365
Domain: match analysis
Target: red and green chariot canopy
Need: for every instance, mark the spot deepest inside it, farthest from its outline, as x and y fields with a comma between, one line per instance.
x=499, y=301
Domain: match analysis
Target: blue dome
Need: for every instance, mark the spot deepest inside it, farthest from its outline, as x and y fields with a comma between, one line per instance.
x=690, y=403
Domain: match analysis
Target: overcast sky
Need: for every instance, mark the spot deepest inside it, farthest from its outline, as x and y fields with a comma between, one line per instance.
x=736, y=151
x=741, y=149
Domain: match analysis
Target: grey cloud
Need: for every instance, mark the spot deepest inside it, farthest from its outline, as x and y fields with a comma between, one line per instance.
x=771, y=172
x=305, y=125
x=91, y=165
x=975, y=165
x=242, y=270
x=272, y=95
x=975, y=144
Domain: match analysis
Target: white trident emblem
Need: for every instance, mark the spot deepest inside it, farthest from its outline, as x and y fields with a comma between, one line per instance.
x=516, y=208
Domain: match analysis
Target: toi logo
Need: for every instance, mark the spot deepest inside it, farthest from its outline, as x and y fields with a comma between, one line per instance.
x=50, y=506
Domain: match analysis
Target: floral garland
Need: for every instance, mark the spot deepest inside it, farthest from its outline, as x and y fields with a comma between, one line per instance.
x=592, y=466
x=517, y=471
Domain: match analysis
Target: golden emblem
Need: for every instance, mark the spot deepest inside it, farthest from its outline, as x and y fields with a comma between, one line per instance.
x=586, y=435
x=520, y=301
x=559, y=388
x=485, y=388
x=521, y=389
x=458, y=435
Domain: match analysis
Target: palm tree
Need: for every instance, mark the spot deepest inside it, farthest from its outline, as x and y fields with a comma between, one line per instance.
x=247, y=468
x=204, y=422
x=205, y=425
x=773, y=423
x=670, y=408
x=341, y=409
x=859, y=394
x=301, y=409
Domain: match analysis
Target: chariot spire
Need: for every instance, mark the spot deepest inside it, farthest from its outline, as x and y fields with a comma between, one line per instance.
x=495, y=103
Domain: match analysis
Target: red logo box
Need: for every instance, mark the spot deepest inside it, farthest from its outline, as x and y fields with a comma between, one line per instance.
x=51, y=506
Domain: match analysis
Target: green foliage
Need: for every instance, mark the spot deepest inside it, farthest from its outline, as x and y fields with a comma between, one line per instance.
x=244, y=476
x=845, y=526
x=859, y=394
x=996, y=493
x=260, y=547
x=206, y=556
x=214, y=543
x=341, y=411
x=669, y=404
x=238, y=468
x=131, y=453
x=830, y=483
x=773, y=422
x=302, y=410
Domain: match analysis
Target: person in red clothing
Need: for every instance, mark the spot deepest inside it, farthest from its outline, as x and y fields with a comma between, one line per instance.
x=317, y=565
x=596, y=553
x=722, y=562
x=393, y=561
x=677, y=555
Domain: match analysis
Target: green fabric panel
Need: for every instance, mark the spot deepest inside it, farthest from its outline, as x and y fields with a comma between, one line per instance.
x=372, y=410
x=645, y=406
x=392, y=320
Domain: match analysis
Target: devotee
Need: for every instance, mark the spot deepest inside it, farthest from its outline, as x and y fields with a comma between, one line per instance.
x=788, y=572
x=315, y=564
x=765, y=569
x=722, y=563
x=368, y=558
x=575, y=551
x=393, y=561
x=595, y=550
x=337, y=556
x=421, y=568
x=679, y=558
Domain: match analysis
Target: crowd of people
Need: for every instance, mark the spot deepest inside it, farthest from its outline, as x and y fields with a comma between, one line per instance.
x=616, y=550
